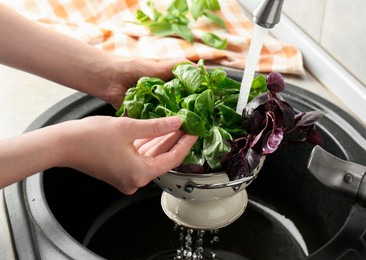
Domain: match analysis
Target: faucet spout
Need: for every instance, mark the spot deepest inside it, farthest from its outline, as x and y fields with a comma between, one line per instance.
x=268, y=13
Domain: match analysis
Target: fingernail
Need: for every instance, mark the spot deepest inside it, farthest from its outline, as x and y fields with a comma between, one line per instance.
x=175, y=121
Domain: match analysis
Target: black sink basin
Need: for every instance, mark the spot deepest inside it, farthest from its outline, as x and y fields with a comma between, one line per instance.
x=61, y=213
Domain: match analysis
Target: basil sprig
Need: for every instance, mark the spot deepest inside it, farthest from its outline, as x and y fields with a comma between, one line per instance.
x=176, y=23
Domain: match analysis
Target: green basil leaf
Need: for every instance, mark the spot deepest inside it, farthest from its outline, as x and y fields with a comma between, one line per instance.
x=194, y=158
x=162, y=111
x=204, y=106
x=135, y=99
x=142, y=18
x=156, y=14
x=182, y=20
x=176, y=89
x=201, y=66
x=215, y=18
x=189, y=76
x=149, y=82
x=129, y=95
x=166, y=98
x=161, y=29
x=225, y=87
x=214, y=146
x=197, y=147
x=212, y=5
x=145, y=112
x=134, y=108
x=259, y=85
x=121, y=110
x=188, y=102
x=183, y=31
x=230, y=100
x=231, y=121
x=153, y=115
x=216, y=76
x=178, y=5
x=214, y=41
x=191, y=123
x=198, y=6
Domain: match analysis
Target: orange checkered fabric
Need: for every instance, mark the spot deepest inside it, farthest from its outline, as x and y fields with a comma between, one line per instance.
x=105, y=24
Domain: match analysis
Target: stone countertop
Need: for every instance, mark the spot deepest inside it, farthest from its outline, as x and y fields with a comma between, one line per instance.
x=23, y=97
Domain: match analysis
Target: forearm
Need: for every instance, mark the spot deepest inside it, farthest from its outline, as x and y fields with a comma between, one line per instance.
x=29, y=153
x=36, y=49
x=104, y=147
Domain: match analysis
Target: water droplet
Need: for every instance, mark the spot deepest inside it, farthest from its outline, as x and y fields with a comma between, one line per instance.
x=192, y=242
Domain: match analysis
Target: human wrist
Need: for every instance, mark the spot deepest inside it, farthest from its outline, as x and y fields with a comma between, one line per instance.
x=65, y=140
x=117, y=76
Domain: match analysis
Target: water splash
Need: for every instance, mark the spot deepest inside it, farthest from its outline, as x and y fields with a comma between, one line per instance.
x=259, y=34
x=192, y=242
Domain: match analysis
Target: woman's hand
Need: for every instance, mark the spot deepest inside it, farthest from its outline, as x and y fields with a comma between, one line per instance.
x=126, y=72
x=126, y=153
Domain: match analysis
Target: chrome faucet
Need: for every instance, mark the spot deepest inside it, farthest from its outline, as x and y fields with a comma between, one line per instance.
x=268, y=13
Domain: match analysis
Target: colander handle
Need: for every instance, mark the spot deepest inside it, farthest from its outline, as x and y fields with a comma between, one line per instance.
x=236, y=184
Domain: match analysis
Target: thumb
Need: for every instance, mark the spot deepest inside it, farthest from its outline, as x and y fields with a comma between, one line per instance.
x=156, y=127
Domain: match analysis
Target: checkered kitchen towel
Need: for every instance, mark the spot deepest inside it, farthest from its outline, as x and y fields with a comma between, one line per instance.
x=103, y=23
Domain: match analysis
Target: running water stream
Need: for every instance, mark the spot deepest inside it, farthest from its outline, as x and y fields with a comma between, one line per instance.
x=259, y=34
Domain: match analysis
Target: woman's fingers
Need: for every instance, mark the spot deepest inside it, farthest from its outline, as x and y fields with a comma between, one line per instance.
x=138, y=143
x=154, y=127
x=160, y=144
x=164, y=162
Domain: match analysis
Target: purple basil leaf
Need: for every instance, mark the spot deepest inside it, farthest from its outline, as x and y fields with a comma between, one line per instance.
x=309, y=118
x=299, y=116
x=275, y=82
x=272, y=140
x=288, y=114
x=315, y=137
x=257, y=138
x=253, y=159
x=260, y=134
x=233, y=145
x=255, y=103
x=240, y=142
x=253, y=122
x=237, y=167
x=224, y=158
x=191, y=168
